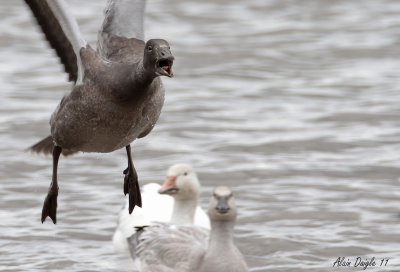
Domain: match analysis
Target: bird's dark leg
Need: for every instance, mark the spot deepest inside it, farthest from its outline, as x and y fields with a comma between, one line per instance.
x=50, y=203
x=131, y=184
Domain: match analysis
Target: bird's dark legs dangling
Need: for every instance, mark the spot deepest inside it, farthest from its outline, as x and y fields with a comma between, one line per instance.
x=131, y=184
x=50, y=203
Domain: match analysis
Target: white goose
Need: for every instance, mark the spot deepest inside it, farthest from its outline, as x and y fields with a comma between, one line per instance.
x=175, y=202
x=165, y=247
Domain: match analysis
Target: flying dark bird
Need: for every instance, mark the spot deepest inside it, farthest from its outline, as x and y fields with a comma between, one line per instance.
x=117, y=94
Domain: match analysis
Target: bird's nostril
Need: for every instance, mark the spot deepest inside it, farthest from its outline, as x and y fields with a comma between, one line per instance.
x=162, y=54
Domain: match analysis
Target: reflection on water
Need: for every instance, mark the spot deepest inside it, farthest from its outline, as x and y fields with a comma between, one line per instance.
x=294, y=104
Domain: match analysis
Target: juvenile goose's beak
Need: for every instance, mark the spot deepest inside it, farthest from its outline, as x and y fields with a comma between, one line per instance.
x=169, y=186
x=222, y=206
x=164, y=64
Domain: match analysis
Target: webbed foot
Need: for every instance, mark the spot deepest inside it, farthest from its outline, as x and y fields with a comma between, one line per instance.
x=50, y=205
x=131, y=187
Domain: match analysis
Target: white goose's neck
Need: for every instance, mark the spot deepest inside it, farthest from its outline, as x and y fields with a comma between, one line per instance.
x=184, y=211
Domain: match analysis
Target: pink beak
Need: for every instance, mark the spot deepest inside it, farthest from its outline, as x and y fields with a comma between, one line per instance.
x=169, y=186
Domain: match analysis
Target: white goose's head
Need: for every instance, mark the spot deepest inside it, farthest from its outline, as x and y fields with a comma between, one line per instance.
x=181, y=182
x=222, y=205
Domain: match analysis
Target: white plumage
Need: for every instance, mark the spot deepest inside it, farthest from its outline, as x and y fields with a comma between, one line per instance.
x=178, y=207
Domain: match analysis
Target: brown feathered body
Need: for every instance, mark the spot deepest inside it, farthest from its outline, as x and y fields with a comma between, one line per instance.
x=116, y=103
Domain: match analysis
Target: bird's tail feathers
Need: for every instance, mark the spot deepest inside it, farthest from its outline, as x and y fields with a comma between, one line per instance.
x=46, y=146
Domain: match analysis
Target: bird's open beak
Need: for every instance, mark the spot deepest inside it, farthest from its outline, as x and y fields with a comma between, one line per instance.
x=164, y=64
x=169, y=186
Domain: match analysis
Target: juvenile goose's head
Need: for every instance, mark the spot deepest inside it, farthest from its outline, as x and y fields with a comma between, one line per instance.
x=158, y=58
x=181, y=182
x=222, y=205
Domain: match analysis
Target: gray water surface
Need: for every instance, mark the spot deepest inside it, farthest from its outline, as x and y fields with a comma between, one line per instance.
x=294, y=104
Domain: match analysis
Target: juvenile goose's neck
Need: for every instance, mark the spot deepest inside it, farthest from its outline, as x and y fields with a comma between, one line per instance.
x=221, y=235
x=221, y=253
x=129, y=81
x=141, y=76
x=184, y=211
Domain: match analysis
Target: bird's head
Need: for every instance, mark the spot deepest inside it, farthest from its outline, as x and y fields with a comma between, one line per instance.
x=222, y=205
x=181, y=182
x=158, y=57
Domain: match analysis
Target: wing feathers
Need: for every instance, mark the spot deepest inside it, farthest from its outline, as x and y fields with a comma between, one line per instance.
x=55, y=36
x=62, y=32
x=123, y=18
x=169, y=246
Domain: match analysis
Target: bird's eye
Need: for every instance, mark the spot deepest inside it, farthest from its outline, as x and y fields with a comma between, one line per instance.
x=149, y=48
x=185, y=174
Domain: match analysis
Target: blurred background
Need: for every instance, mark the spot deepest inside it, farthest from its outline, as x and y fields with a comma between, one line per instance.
x=293, y=104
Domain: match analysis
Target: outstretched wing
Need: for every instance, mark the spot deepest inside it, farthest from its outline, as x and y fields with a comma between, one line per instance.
x=123, y=20
x=62, y=32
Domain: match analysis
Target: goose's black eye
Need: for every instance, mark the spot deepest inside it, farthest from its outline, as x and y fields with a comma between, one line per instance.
x=149, y=48
x=185, y=174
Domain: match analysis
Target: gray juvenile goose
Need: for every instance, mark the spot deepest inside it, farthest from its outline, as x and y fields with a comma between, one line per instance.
x=174, y=248
x=117, y=96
